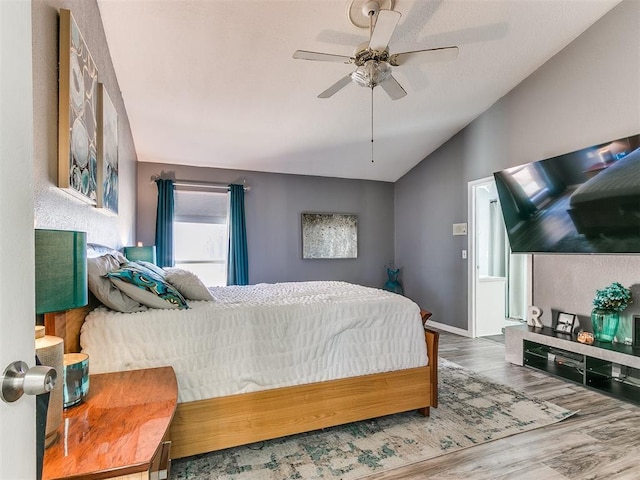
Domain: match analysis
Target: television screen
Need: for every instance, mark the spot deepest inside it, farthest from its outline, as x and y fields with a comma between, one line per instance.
x=586, y=201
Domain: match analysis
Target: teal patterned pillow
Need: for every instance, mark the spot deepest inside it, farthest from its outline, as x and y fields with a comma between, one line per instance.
x=144, y=278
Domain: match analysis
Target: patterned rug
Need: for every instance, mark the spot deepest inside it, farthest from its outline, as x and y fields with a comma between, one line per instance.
x=472, y=410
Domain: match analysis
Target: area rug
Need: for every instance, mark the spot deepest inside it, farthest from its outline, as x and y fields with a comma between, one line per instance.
x=472, y=410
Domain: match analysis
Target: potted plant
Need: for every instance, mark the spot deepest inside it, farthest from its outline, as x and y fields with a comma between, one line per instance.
x=605, y=316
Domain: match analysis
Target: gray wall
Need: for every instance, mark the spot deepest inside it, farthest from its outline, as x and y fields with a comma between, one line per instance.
x=55, y=208
x=273, y=210
x=566, y=283
x=428, y=202
x=587, y=94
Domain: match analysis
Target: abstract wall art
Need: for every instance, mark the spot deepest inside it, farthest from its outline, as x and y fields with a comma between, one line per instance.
x=107, y=181
x=329, y=235
x=77, y=122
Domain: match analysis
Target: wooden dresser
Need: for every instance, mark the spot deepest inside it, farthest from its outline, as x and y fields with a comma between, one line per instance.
x=120, y=431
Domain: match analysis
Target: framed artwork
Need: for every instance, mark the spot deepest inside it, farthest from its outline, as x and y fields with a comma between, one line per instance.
x=107, y=180
x=329, y=235
x=77, y=121
x=565, y=323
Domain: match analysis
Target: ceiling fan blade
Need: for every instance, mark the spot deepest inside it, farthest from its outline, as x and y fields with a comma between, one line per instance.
x=424, y=56
x=339, y=85
x=383, y=30
x=322, y=57
x=393, y=88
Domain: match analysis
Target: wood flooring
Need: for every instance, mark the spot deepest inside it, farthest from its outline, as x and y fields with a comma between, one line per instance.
x=602, y=441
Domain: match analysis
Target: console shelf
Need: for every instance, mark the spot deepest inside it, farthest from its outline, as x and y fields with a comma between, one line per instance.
x=612, y=369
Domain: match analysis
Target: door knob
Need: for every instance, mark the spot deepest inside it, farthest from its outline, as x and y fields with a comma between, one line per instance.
x=18, y=379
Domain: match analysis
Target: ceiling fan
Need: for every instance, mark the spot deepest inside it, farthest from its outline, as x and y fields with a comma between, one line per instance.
x=372, y=59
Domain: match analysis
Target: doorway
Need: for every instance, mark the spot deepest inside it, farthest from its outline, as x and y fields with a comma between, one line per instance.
x=498, y=279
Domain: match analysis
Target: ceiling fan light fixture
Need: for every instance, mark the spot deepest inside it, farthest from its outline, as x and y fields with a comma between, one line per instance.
x=372, y=73
x=372, y=59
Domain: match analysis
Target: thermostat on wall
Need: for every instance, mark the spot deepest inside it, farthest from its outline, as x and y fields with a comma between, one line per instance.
x=459, y=228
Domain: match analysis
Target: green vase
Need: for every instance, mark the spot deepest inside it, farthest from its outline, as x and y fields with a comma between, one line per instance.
x=605, y=324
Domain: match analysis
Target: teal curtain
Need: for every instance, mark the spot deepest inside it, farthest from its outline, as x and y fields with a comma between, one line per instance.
x=238, y=259
x=164, y=223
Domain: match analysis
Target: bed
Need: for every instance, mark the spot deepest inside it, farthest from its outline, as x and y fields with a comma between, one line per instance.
x=256, y=408
x=609, y=203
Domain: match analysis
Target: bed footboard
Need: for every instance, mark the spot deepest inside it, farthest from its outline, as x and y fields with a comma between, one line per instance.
x=224, y=422
x=432, y=338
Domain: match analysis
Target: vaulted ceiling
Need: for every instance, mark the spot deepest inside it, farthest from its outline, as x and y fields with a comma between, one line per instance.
x=213, y=82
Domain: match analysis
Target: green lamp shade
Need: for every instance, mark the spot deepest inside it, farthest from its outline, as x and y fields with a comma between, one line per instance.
x=61, y=270
x=146, y=254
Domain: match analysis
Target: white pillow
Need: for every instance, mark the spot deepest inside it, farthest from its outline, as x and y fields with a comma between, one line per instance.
x=153, y=267
x=188, y=284
x=104, y=290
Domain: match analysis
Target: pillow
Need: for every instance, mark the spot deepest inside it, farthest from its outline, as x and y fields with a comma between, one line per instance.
x=145, y=280
x=142, y=295
x=153, y=267
x=188, y=284
x=95, y=250
x=104, y=290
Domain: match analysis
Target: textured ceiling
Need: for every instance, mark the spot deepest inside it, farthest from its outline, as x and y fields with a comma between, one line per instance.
x=213, y=83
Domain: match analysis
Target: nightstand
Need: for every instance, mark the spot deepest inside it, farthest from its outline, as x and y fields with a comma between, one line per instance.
x=120, y=431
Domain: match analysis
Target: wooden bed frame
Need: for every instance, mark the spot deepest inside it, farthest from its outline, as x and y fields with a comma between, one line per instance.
x=218, y=423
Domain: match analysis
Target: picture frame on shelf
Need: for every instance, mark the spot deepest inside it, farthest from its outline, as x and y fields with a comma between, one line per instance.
x=565, y=323
x=77, y=113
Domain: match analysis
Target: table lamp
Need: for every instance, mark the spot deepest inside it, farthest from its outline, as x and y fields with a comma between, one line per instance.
x=61, y=284
x=144, y=253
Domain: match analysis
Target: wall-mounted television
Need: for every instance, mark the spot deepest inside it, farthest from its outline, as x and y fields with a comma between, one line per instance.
x=586, y=201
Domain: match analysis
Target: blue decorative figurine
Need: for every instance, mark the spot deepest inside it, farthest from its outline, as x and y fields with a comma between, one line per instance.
x=393, y=285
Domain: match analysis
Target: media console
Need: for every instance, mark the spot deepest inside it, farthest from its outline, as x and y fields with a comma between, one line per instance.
x=610, y=368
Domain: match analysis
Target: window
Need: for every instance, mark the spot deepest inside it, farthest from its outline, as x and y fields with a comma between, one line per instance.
x=200, y=236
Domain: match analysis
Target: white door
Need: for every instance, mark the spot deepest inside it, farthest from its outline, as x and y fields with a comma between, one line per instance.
x=17, y=305
x=496, y=278
x=487, y=259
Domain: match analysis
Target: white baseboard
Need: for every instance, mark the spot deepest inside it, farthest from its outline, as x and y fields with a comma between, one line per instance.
x=448, y=328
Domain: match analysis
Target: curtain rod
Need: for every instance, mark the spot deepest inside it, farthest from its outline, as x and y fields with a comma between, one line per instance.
x=201, y=184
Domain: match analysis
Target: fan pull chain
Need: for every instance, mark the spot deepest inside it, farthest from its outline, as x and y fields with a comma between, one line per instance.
x=371, y=124
x=370, y=35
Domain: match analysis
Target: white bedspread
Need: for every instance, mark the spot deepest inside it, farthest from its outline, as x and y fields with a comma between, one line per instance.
x=262, y=336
